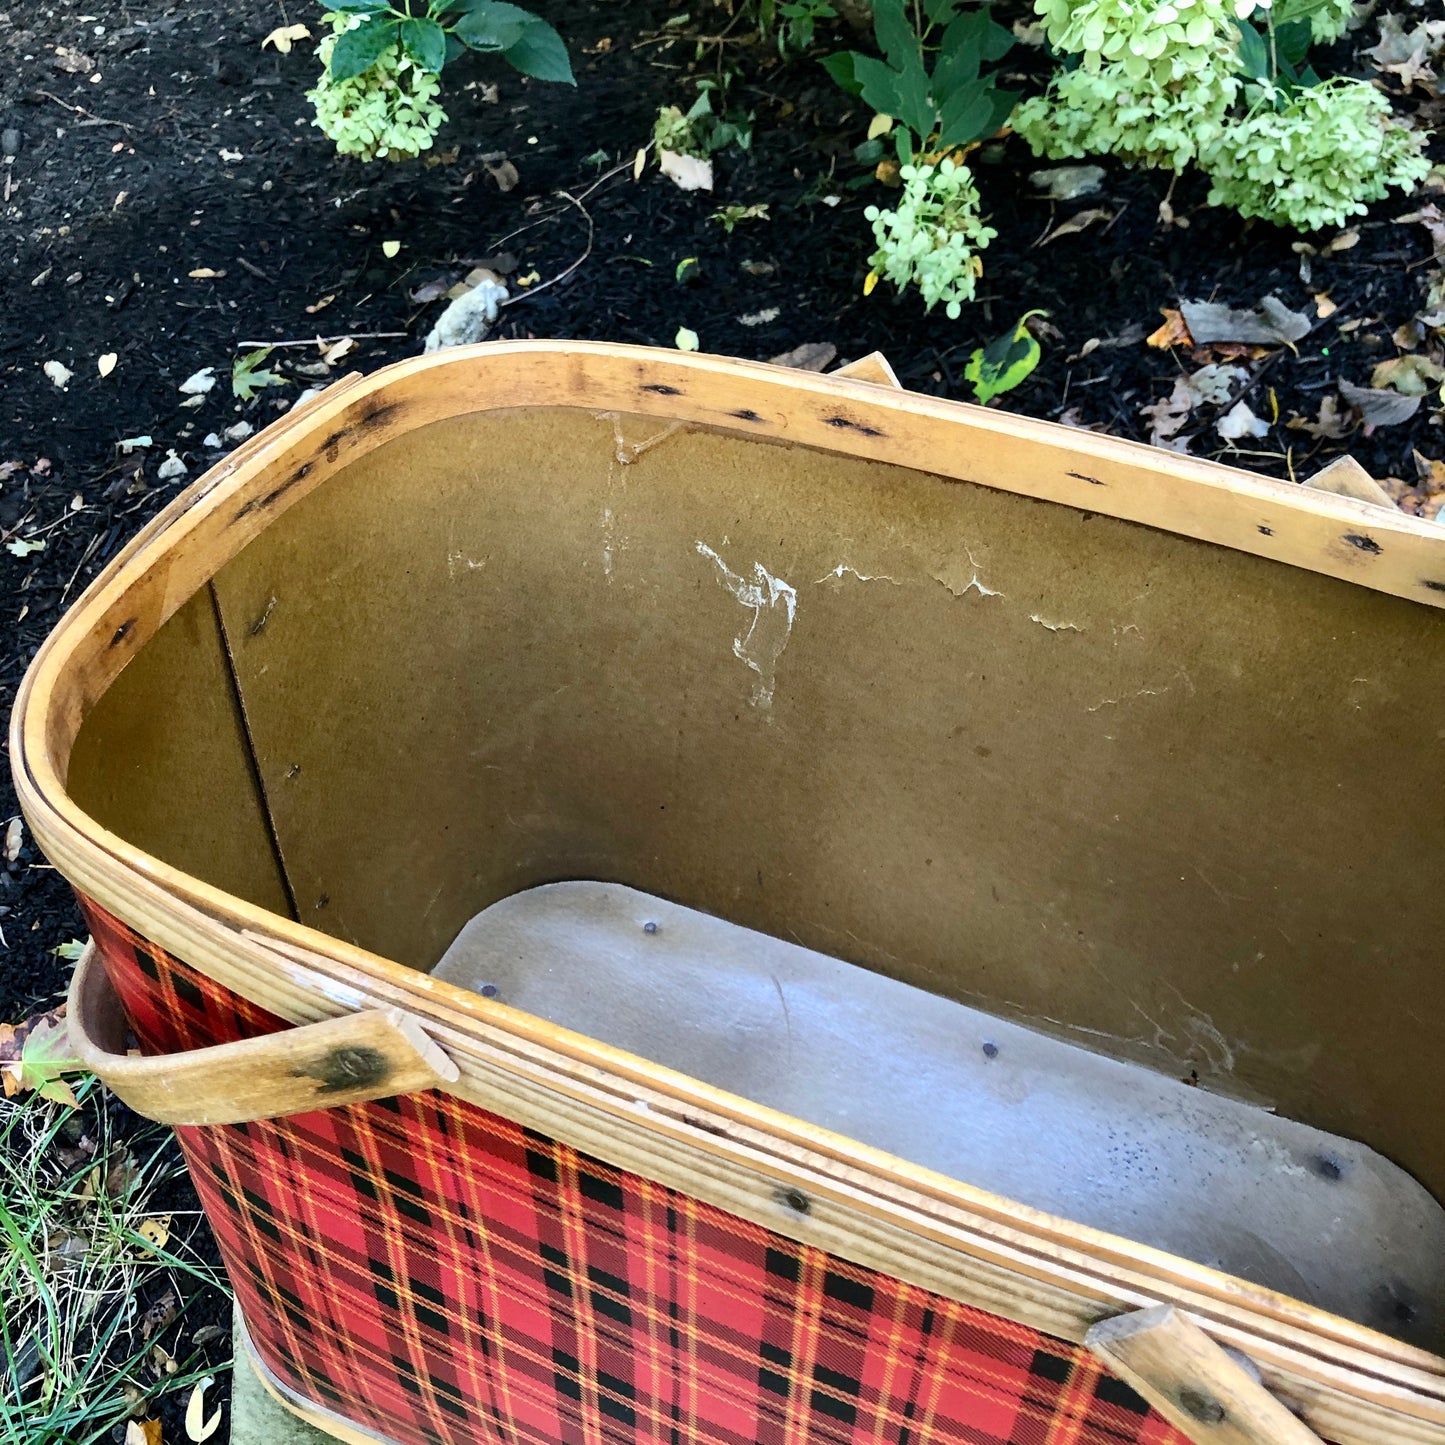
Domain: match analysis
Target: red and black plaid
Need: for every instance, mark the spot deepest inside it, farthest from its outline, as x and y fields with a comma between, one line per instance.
x=438, y=1275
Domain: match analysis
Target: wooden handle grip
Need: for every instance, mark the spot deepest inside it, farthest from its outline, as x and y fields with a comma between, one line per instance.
x=372, y=1054
x=1192, y=1381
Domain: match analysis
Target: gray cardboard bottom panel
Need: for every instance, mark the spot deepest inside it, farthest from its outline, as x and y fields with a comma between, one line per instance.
x=988, y=1102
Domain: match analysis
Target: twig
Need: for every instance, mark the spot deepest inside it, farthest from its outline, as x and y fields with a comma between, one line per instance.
x=561, y=275
x=323, y=340
x=255, y=270
x=81, y=110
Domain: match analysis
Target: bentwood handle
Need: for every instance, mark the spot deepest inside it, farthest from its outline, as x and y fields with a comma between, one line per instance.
x=372, y=1054
x=1194, y=1382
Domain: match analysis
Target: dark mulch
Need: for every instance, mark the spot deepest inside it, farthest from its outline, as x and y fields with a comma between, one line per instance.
x=193, y=152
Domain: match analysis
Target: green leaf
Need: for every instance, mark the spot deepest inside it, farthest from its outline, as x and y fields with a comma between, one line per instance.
x=246, y=377
x=915, y=100
x=492, y=26
x=542, y=54
x=897, y=39
x=425, y=41
x=967, y=115
x=1292, y=41
x=842, y=67
x=1253, y=52
x=1006, y=362
x=358, y=7
x=878, y=85
x=939, y=12
x=358, y=50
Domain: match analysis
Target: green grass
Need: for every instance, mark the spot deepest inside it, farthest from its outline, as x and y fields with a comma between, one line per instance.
x=85, y=1342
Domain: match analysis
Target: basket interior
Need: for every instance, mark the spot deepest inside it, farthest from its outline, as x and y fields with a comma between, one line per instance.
x=1169, y=801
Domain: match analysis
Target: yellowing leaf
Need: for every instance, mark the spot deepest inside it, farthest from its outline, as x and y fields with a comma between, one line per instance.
x=204, y=273
x=879, y=125
x=685, y=340
x=285, y=36
x=390, y=249
x=638, y=162
x=1174, y=332
x=198, y=1428
x=106, y=364
x=156, y=1231
x=869, y=282
x=143, y=1432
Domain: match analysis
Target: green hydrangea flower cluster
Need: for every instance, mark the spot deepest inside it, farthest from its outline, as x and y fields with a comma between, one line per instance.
x=1158, y=83
x=1155, y=82
x=1315, y=163
x=932, y=237
x=1328, y=18
x=1165, y=40
x=390, y=110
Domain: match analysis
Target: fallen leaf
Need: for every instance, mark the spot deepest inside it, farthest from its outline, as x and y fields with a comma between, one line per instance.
x=504, y=173
x=879, y=125
x=72, y=61
x=1379, y=408
x=639, y=161
x=1324, y=307
x=172, y=468
x=1408, y=53
x=205, y=273
x=322, y=304
x=129, y=444
x=159, y=1315
x=1067, y=183
x=1174, y=331
x=208, y=1334
x=1270, y=322
x=198, y=383
x=1345, y=241
x=389, y=249
x=687, y=173
x=1331, y=423
x=1410, y=375
x=285, y=36
x=105, y=363
x=58, y=372
x=24, y=546
x=156, y=1230
x=1077, y=223
x=810, y=356
x=198, y=1428
x=759, y=318
x=1239, y=422
x=332, y=354
x=14, y=837
x=143, y=1432
x=685, y=340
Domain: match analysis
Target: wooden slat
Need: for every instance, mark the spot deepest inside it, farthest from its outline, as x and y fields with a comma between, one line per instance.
x=1197, y=1386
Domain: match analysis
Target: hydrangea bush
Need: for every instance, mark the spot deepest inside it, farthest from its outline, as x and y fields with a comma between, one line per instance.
x=377, y=95
x=390, y=111
x=932, y=237
x=1316, y=162
x=1161, y=82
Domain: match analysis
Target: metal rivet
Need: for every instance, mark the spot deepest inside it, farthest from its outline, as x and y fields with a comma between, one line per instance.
x=488, y=990
x=990, y=1050
x=796, y=1200
x=649, y=927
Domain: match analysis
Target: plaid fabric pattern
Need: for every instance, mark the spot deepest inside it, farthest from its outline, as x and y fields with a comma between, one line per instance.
x=438, y=1275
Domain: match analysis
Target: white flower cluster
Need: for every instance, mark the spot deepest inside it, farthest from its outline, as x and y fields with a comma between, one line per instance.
x=1158, y=82
x=390, y=110
x=1315, y=163
x=932, y=237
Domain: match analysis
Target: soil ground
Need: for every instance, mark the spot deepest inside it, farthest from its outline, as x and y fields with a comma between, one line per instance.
x=168, y=201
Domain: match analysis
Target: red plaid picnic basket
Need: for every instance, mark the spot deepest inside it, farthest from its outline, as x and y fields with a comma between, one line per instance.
x=452, y=631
